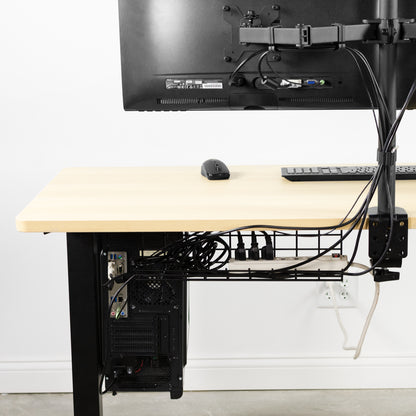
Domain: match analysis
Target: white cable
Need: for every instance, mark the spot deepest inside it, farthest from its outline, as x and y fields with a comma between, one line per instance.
x=360, y=266
x=358, y=348
x=338, y=315
x=368, y=320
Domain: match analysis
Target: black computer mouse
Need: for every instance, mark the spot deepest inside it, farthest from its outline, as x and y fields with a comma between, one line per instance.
x=215, y=169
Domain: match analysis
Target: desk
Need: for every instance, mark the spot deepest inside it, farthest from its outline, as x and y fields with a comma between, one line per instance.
x=86, y=202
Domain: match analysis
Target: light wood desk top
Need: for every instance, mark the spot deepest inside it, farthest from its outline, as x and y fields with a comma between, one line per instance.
x=180, y=199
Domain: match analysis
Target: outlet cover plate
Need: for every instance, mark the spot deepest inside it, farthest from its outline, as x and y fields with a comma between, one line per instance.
x=346, y=293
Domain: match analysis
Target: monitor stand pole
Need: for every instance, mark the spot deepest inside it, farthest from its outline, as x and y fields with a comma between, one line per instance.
x=380, y=223
x=387, y=74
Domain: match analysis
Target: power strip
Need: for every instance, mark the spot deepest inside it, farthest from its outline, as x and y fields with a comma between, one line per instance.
x=335, y=263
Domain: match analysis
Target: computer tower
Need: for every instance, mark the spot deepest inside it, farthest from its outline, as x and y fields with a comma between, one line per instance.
x=144, y=320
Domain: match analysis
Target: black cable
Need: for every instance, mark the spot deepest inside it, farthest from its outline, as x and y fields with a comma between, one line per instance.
x=201, y=253
x=109, y=387
x=354, y=204
x=264, y=78
x=362, y=219
x=254, y=252
x=376, y=85
x=115, y=296
x=320, y=254
x=361, y=227
x=374, y=82
x=368, y=93
x=279, y=75
x=309, y=260
x=259, y=62
x=398, y=120
x=387, y=247
x=242, y=63
x=386, y=146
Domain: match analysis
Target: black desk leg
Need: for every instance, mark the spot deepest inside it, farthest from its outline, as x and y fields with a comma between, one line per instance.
x=85, y=340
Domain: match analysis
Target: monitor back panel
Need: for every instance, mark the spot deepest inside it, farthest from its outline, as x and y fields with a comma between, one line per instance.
x=179, y=55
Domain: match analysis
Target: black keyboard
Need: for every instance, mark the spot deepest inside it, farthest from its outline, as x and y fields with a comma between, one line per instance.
x=342, y=173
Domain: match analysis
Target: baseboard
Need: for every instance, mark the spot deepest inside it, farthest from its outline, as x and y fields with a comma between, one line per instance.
x=294, y=373
x=290, y=373
x=35, y=377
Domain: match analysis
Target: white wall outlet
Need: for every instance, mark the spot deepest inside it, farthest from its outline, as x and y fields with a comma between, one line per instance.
x=346, y=293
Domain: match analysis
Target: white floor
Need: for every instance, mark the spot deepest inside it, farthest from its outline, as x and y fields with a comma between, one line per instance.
x=235, y=403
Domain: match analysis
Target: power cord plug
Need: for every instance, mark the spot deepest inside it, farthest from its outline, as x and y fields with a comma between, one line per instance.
x=240, y=251
x=254, y=252
x=267, y=252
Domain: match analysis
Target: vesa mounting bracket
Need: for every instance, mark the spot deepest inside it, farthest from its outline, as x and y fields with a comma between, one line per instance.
x=266, y=14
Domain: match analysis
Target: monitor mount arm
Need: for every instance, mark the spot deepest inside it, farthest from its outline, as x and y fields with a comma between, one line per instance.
x=381, y=31
x=386, y=32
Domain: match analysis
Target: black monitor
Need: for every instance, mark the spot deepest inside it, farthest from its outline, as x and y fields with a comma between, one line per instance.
x=181, y=54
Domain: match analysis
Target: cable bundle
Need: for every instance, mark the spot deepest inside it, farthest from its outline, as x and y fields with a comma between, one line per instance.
x=385, y=140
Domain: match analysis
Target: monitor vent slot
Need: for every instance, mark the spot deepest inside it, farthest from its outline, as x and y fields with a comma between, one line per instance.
x=192, y=101
x=318, y=100
x=134, y=337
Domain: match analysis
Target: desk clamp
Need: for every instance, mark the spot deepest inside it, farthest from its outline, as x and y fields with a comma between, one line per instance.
x=379, y=234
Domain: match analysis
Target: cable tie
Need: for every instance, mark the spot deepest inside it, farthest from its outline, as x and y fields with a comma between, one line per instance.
x=387, y=158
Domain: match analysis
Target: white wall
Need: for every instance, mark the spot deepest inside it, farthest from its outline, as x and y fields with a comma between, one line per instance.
x=60, y=106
